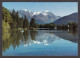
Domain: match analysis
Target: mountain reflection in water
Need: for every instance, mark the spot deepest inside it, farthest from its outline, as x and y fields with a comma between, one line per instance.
x=15, y=39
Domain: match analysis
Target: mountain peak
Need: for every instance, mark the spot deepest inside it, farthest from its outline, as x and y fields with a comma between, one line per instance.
x=36, y=13
x=41, y=17
x=25, y=9
x=46, y=11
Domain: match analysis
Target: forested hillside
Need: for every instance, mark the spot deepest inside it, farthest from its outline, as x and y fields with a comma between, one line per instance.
x=13, y=21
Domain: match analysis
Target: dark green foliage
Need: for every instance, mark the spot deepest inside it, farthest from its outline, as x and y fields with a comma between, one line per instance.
x=33, y=23
x=13, y=14
x=72, y=25
x=21, y=23
x=25, y=23
x=14, y=21
x=17, y=22
x=50, y=25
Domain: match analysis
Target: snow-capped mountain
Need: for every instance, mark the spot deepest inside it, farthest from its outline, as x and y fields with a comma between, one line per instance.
x=45, y=17
x=28, y=13
x=41, y=17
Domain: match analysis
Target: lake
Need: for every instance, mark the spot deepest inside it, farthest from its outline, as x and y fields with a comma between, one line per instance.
x=40, y=43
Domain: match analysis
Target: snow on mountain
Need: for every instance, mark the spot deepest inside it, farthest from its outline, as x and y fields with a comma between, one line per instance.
x=36, y=13
x=24, y=9
x=28, y=13
x=41, y=17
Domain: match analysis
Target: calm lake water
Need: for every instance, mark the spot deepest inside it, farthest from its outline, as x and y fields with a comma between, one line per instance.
x=40, y=43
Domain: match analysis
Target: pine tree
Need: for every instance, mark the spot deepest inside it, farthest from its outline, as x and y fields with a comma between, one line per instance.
x=33, y=23
x=21, y=23
x=17, y=19
x=25, y=22
x=13, y=14
x=14, y=23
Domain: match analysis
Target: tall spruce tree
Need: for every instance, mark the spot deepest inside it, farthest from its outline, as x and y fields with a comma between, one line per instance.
x=17, y=19
x=21, y=23
x=33, y=23
x=25, y=22
x=13, y=14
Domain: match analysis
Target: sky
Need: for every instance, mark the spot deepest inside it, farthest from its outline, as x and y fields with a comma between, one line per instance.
x=57, y=8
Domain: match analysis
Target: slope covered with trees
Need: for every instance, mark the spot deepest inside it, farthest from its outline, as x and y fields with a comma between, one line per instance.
x=11, y=20
x=7, y=19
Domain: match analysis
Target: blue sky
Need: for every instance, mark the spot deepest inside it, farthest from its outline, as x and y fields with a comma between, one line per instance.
x=58, y=8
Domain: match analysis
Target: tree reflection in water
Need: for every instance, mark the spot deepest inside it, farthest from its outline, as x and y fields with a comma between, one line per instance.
x=15, y=38
x=33, y=34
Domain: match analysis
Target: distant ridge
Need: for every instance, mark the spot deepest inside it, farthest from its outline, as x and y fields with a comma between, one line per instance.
x=66, y=19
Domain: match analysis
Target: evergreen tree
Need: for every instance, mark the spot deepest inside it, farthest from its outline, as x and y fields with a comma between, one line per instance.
x=14, y=22
x=33, y=23
x=13, y=14
x=21, y=23
x=25, y=22
x=17, y=19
